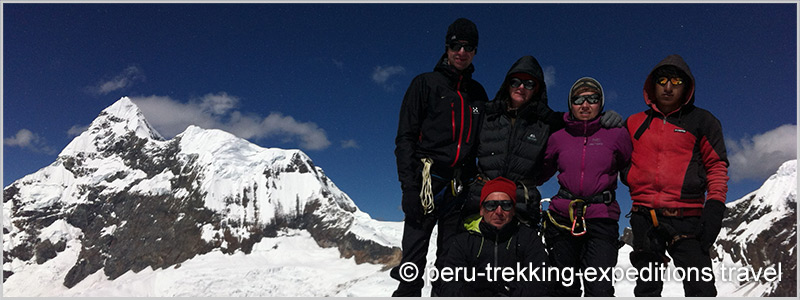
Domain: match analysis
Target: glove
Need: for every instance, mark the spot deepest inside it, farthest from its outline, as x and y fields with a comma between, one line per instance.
x=611, y=119
x=713, y=212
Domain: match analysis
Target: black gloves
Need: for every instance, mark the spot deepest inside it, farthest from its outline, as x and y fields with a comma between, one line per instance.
x=713, y=212
x=611, y=119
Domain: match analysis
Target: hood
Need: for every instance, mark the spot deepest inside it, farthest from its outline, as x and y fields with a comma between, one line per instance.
x=649, y=85
x=529, y=65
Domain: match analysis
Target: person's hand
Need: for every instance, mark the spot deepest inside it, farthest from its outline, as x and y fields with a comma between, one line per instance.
x=611, y=119
x=713, y=212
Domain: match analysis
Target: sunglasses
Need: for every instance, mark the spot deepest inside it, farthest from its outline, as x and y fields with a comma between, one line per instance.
x=529, y=84
x=506, y=205
x=456, y=46
x=592, y=99
x=675, y=80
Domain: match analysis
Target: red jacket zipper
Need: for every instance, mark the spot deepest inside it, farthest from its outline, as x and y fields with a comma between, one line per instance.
x=461, y=130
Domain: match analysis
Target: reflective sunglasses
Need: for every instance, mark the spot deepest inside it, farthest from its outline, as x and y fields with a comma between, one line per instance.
x=529, y=84
x=675, y=80
x=593, y=99
x=455, y=46
x=506, y=205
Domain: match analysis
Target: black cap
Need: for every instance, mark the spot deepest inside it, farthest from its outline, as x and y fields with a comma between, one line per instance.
x=462, y=29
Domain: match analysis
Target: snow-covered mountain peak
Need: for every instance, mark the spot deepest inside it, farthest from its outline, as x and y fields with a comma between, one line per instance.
x=120, y=198
x=781, y=185
x=121, y=119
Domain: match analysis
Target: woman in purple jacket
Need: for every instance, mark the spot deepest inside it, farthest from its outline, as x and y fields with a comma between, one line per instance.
x=581, y=225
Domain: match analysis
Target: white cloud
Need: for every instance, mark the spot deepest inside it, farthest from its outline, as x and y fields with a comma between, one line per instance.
x=350, y=144
x=549, y=76
x=171, y=117
x=310, y=135
x=338, y=63
x=218, y=104
x=127, y=78
x=760, y=156
x=382, y=74
x=29, y=140
x=76, y=130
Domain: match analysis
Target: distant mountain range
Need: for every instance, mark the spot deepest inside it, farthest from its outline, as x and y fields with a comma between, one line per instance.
x=124, y=212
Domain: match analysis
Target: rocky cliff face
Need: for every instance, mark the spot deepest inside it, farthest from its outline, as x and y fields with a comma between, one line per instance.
x=134, y=200
x=760, y=230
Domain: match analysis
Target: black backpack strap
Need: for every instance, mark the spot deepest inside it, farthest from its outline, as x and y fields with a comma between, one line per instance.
x=645, y=124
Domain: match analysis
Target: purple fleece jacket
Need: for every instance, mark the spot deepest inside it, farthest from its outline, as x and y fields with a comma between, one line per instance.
x=588, y=159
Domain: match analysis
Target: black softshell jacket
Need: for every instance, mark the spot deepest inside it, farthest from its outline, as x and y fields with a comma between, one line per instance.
x=484, y=245
x=439, y=119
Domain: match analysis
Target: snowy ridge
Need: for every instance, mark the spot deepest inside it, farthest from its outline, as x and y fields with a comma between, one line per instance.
x=781, y=185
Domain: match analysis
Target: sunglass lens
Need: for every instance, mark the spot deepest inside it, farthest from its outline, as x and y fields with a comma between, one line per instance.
x=492, y=205
x=529, y=84
x=592, y=99
x=458, y=46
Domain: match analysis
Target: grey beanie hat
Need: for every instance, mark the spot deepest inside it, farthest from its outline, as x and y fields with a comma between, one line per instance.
x=586, y=84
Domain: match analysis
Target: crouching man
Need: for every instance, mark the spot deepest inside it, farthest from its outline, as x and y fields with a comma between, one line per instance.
x=495, y=243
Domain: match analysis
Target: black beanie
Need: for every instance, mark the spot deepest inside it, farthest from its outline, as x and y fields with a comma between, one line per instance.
x=462, y=29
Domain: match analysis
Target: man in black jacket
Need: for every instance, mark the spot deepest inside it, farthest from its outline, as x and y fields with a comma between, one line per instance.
x=434, y=148
x=493, y=245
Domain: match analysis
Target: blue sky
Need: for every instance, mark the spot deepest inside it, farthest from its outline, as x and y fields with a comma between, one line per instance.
x=329, y=78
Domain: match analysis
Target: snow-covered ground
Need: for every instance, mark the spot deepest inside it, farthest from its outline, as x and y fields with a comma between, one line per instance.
x=288, y=265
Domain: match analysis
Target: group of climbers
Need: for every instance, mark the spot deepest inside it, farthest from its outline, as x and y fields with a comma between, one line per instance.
x=473, y=167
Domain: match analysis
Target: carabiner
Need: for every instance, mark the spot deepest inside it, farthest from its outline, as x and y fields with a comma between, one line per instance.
x=583, y=226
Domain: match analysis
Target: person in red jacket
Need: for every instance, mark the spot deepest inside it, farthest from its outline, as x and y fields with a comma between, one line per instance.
x=678, y=180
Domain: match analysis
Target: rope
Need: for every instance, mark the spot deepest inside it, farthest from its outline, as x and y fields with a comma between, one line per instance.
x=426, y=194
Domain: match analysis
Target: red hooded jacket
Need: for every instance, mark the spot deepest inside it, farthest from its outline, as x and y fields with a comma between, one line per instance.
x=678, y=159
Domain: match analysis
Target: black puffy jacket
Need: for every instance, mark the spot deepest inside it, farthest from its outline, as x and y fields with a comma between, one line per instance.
x=483, y=244
x=515, y=149
x=438, y=119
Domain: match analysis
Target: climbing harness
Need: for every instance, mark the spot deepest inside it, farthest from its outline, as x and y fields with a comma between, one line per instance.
x=577, y=209
x=576, y=216
x=665, y=228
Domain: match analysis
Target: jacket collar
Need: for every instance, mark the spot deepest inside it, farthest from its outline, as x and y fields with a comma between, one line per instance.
x=451, y=72
x=581, y=128
x=476, y=225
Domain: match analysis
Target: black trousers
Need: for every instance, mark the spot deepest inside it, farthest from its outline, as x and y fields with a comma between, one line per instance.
x=650, y=245
x=417, y=230
x=598, y=248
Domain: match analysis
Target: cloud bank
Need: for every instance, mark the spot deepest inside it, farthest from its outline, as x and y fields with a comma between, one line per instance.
x=171, y=117
x=759, y=156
